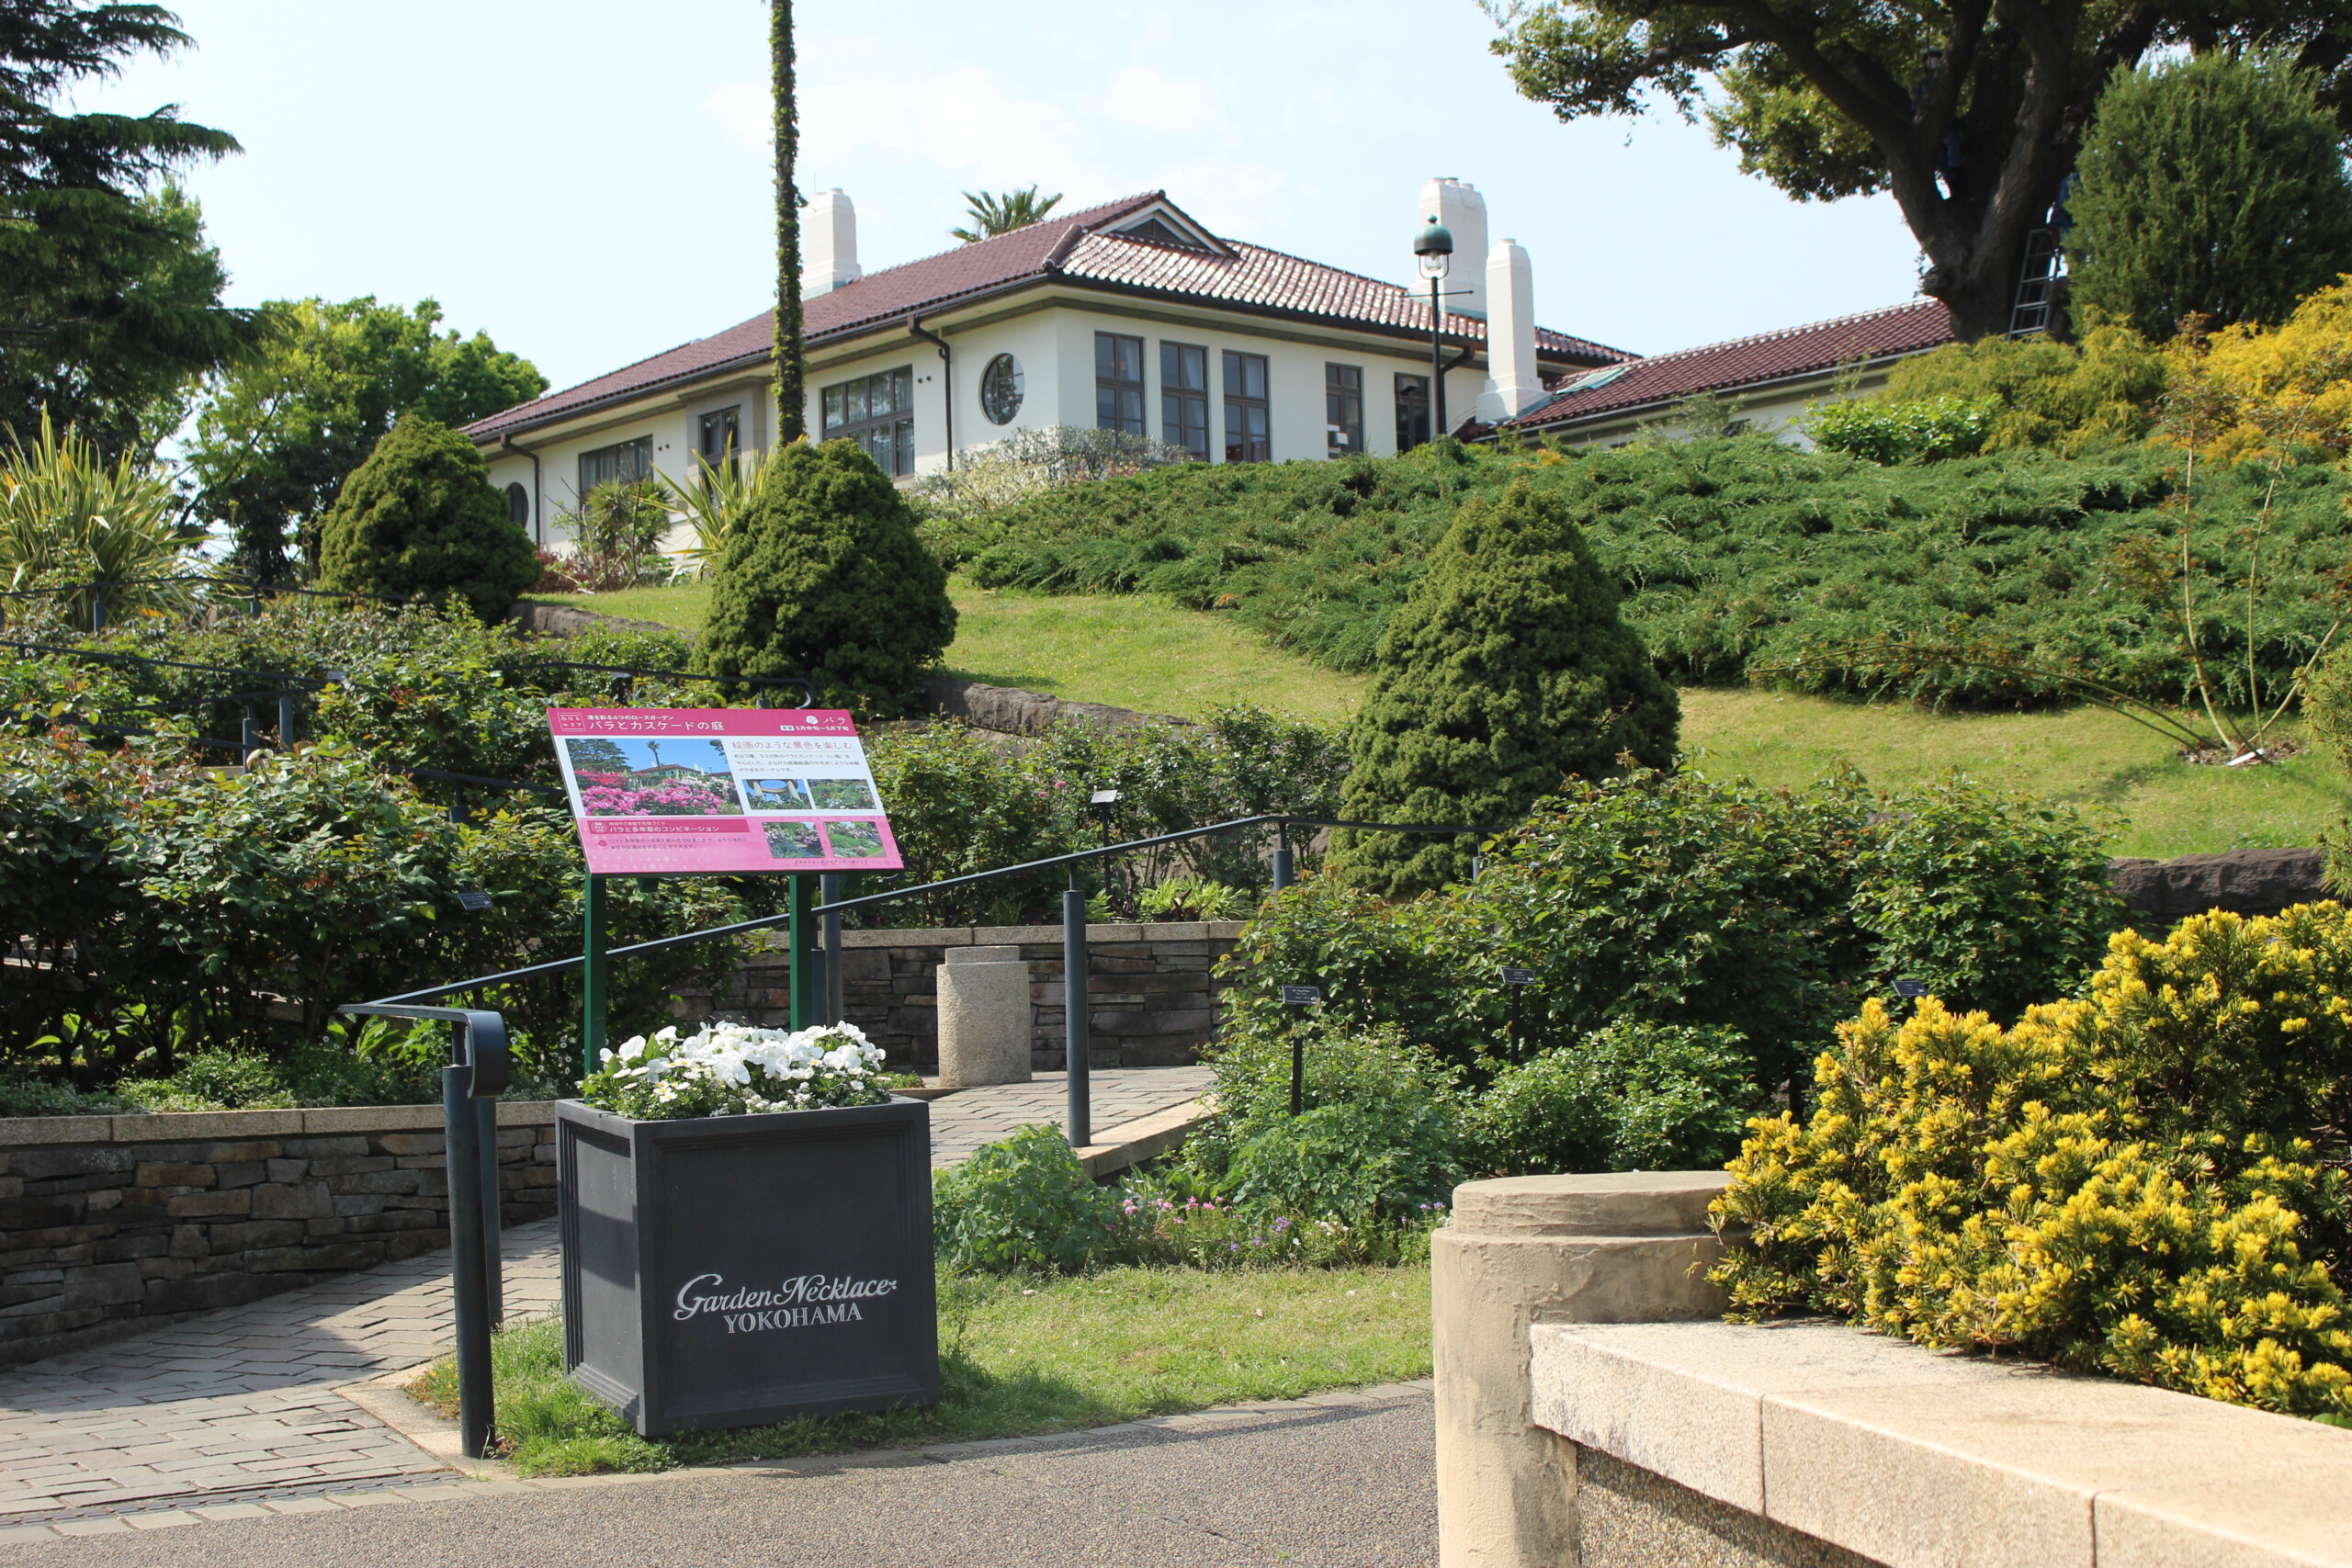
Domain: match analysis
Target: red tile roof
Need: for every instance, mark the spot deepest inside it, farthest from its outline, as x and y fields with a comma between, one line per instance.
x=1745, y=361
x=1071, y=247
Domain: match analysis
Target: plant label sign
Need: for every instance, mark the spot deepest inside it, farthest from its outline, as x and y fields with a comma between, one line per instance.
x=721, y=790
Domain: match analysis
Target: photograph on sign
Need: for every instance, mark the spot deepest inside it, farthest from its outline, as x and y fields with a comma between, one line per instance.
x=721, y=790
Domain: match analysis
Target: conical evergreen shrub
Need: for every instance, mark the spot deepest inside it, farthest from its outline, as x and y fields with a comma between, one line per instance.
x=825, y=578
x=1507, y=672
x=419, y=518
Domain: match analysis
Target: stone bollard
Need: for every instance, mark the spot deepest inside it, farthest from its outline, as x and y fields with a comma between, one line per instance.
x=1610, y=1248
x=984, y=1017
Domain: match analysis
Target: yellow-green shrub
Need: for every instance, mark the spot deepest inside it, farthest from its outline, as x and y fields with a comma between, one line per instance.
x=2149, y=1179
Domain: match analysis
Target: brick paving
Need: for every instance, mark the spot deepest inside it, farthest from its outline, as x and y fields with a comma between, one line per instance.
x=239, y=1406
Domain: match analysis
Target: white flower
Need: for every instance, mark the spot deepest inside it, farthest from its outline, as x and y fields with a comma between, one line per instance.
x=633, y=1047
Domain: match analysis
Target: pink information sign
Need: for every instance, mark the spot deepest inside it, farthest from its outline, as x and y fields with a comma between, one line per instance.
x=721, y=789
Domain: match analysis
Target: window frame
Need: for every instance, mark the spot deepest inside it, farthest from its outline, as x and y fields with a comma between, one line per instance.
x=1241, y=444
x=895, y=424
x=1178, y=401
x=1119, y=388
x=1409, y=418
x=1342, y=409
x=628, y=460
x=732, y=448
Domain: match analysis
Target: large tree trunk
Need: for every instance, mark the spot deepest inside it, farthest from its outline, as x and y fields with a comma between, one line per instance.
x=791, y=390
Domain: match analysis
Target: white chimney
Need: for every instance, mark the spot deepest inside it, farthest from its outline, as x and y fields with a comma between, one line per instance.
x=1513, y=384
x=827, y=244
x=1463, y=210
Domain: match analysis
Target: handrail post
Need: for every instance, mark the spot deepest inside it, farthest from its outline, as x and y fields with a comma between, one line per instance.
x=593, y=977
x=493, y=1222
x=462, y=1125
x=1076, y=1022
x=836, y=1004
x=805, y=991
x=1282, y=856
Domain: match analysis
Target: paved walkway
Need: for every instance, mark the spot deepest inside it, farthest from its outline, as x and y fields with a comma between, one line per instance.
x=1343, y=1480
x=239, y=1406
x=968, y=1118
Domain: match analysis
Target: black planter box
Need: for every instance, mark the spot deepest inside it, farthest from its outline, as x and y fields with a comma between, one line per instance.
x=735, y=1271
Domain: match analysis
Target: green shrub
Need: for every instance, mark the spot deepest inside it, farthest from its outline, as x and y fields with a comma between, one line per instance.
x=1672, y=900
x=1021, y=1204
x=1507, y=673
x=1739, y=554
x=1630, y=1096
x=2147, y=1180
x=1357, y=1164
x=1378, y=1140
x=1888, y=432
x=2071, y=397
x=2212, y=185
x=419, y=519
x=24, y=1095
x=824, y=578
x=213, y=1080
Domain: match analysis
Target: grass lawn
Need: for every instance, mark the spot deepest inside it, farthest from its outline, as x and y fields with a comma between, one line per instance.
x=1021, y=1356
x=1136, y=652
x=2086, y=756
x=1127, y=650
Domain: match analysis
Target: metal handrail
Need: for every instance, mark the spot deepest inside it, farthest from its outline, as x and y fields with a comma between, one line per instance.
x=739, y=927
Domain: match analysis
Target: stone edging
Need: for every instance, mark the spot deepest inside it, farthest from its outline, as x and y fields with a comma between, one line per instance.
x=492, y=1479
x=208, y=1126
x=1905, y=1455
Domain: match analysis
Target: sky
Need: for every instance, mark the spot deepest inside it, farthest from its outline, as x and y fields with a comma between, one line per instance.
x=590, y=181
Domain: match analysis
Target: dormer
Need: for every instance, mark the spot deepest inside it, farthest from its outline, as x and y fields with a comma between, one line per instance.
x=1164, y=223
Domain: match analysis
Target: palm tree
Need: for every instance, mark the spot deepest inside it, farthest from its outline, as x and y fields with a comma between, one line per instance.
x=1002, y=214
x=791, y=393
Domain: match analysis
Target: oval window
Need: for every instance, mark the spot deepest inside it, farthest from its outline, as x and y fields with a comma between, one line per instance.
x=518, y=506
x=1000, y=389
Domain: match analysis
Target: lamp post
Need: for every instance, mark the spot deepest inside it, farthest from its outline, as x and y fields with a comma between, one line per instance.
x=1434, y=251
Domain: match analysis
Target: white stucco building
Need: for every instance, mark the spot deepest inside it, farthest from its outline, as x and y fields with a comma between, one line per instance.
x=1128, y=315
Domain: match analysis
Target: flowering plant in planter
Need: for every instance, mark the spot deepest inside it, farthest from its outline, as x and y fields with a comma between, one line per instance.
x=735, y=1069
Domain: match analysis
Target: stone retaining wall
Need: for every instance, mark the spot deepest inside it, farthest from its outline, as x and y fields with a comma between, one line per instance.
x=113, y=1224
x=1153, y=988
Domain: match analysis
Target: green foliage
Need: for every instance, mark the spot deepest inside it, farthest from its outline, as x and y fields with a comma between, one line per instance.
x=2213, y=187
x=1672, y=900
x=419, y=519
x=960, y=804
x=1934, y=106
x=281, y=429
x=616, y=536
x=1630, y=1096
x=1887, y=431
x=2149, y=1181
x=96, y=529
x=1021, y=1204
x=1351, y=1163
x=823, y=578
x=1507, y=671
x=992, y=214
x=2070, y=397
x=1739, y=557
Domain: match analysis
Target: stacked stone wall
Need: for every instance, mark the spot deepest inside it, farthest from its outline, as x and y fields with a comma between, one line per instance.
x=110, y=1223
x=1155, y=997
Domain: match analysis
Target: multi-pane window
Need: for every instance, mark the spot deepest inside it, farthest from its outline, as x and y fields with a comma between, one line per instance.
x=879, y=413
x=1249, y=423
x=1118, y=383
x=1184, y=398
x=1343, y=408
x=1412, y=411
x=719, y=436
x=626, y=460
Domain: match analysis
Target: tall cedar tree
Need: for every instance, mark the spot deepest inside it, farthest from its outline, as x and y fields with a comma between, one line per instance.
x=284, y=428
x=1507, y=672
x=791, y=390
x=2213, y=185
x=110, y=298
x=419, y=519
x=1970, y=112
x=826, y=578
